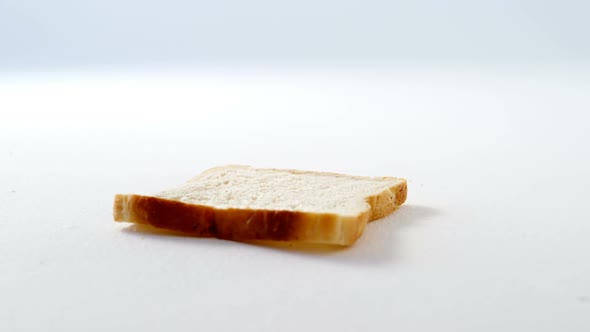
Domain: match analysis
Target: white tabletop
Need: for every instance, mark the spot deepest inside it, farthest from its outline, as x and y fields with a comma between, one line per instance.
x=495, y=234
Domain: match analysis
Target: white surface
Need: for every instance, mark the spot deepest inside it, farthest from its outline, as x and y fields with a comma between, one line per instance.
x=494, y=236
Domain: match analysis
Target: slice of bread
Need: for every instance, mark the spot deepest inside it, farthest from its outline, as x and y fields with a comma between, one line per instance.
x=244, y=203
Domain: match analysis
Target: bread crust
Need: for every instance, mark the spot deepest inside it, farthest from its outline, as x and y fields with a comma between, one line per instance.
x=388, y=201
x=248, y=224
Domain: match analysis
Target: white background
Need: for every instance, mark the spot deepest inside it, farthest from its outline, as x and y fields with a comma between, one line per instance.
x=494, y=235
x=483, y=107
x=118, y=33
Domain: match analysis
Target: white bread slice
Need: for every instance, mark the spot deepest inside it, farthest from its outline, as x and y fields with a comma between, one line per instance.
x=244, y=203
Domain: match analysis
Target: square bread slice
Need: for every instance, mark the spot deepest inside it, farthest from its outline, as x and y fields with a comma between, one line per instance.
x=243, y=203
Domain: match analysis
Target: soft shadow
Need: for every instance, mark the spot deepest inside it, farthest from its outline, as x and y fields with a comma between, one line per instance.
x=382, y=241
x=178, y=238
x=412, y=215
x=303, y=248
x=150, y=230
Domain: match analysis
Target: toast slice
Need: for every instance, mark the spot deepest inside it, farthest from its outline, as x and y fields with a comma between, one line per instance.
x=243, y=203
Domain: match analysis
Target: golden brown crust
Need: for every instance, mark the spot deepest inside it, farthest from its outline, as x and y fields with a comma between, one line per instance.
x=239, y=224
x=246, y=224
